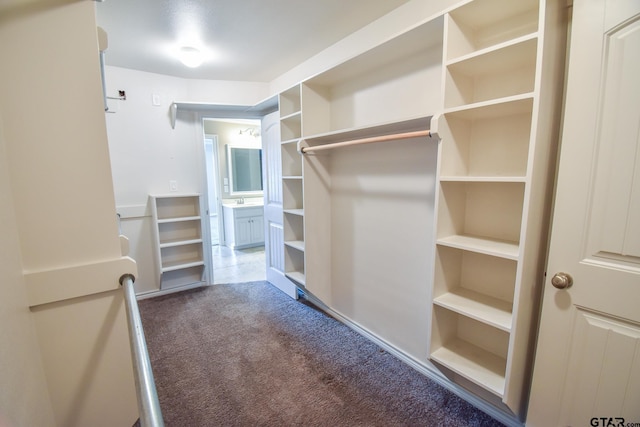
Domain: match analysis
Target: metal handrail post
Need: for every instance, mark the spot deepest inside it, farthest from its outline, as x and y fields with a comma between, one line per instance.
x=148, y=404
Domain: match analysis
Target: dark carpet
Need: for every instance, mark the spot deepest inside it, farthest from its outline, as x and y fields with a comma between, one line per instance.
x=247, y=355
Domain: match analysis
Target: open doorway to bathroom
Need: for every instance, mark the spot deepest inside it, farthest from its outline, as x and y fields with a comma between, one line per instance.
x=233, y=153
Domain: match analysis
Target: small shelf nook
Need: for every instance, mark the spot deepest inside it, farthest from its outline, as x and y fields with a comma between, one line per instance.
x=180, y=252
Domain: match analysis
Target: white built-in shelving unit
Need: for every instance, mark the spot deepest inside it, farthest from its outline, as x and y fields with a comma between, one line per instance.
x=498, y=126
x=179, y=243
x=461, y=296
x=363, y=97
x=292, y=201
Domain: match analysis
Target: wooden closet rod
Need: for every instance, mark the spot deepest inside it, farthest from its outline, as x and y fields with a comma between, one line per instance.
x=382, y=138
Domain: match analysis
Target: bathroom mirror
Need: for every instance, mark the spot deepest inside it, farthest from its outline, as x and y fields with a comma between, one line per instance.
x=245, y=170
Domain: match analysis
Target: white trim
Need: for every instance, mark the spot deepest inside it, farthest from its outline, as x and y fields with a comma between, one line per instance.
x=432, y=374
x=67, y=282
x=133, y=211
x=157, y=293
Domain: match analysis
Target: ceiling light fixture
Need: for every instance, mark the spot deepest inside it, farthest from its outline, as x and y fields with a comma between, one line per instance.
x=190, y=56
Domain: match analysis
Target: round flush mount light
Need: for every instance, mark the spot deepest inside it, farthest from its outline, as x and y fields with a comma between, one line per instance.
x=190, y=56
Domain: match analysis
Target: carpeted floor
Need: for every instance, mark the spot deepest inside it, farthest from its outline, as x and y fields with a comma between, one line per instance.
x=247, y=355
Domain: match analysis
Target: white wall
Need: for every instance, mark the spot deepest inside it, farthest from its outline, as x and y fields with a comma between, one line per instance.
x=407, y=16
x=147, y=153
x=24, y=396
x=56, y=162
x=226, y=92
x=382, y=240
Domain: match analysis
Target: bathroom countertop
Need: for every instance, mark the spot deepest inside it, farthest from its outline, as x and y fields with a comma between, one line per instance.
x=246, y=204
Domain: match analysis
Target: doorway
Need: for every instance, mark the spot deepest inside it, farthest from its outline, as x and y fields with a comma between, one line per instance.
x=213, y=189
x=235, y=199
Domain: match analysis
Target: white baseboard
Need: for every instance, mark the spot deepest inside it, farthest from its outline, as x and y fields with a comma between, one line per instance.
x=430, y=372
x=160, y=292
x=133, y=211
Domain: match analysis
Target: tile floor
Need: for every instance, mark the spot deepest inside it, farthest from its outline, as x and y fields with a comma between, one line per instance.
x=237, y=266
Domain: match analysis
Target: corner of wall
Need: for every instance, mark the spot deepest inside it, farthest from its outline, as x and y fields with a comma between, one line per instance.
x=24, y=396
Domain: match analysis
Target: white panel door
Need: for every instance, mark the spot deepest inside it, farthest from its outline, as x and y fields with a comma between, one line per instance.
x=273, y=229
x=587, y=367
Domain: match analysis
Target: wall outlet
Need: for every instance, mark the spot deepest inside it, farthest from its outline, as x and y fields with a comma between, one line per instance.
x=173, y=185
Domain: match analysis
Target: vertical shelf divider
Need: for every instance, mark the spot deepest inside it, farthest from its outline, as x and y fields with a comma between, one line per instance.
x=492, y=165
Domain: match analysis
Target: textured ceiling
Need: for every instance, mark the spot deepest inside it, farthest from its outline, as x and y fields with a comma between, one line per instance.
x=249, y=40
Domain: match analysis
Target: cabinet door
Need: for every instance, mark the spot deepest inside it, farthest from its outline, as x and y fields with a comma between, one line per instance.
x=257, y=229
x=243, y=231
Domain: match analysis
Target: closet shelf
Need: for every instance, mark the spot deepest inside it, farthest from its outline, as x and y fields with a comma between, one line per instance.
x=395, y=50
x=178, y=242
x=296, y=244
x=507, y=106
x=290, y=129
x=491, y=13
x=389, y=128
x=483, y=245
x=304, y=149
x=174, y=266
x=476, y=26
x=295, y=116
x=479, y=366
x=472, y=178
x=486, y=309
x=289, y=102
x=299, y=212
x=178, y=219
x=296, y=276
x=510, y=54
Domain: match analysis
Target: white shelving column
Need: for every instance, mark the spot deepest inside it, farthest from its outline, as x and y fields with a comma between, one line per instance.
x=178, y=228
x=292, y=194
x=495, y=166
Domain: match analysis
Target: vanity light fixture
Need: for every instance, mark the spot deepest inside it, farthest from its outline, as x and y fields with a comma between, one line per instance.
x=190, y=56
x=250, y=131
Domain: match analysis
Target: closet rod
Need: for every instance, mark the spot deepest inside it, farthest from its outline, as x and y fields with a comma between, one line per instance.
x=383, y=138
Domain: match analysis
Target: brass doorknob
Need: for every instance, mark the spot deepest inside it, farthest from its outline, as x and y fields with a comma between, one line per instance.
x=562, y=280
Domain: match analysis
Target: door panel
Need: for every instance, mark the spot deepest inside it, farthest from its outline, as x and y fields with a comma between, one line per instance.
x=276, y=245
x=616, y=214
x=605, y=372
x=243, y=231
x=588, y=354
x=274, y=238
x=257, y=229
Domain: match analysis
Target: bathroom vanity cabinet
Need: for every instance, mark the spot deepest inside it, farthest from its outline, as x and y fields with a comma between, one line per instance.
x=243, y=226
